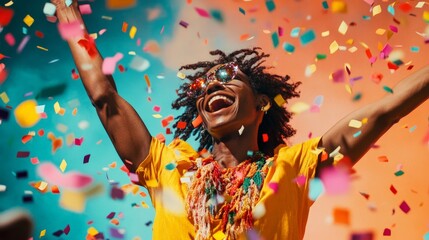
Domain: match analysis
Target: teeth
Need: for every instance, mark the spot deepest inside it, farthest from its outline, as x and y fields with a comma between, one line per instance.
x=217, y=97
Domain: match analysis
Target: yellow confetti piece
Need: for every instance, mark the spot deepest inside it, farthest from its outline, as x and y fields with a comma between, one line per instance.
x=92, y=231
x=26, y=114
x=42, y=48
x=310, y=69
x=43, y=185
x=299, y=107
x=380, y=31
x=181, y=75
x=28, y=20
x=63, y=165
x=338, y=6
x=219, y=235
x=42, y=233
x=145, y=205
x=376, y=10
x=365, y=121
x=74, y=112
x=333, y=47
x=4, y=97
x=348, y=88
x=279, y=100
x=325, y=33
x=133, y=32
x=420, y=4
x=343, y=28
x=157, y=115
x=8, y=4
x=353, y=49
x=350, y=41
x=93, y=35
x=426, y=16
x=106, y=18
x=57, y=107
x=364, y=45
x=132, y=53
x=355, y=123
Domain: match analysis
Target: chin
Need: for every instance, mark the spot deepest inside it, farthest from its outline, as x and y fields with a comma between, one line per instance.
x=222, y=122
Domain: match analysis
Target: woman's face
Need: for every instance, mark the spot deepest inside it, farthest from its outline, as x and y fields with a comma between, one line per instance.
x=226, y=107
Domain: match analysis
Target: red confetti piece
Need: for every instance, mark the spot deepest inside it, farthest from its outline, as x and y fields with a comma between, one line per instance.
x=404, y=207
x=26, y=138
x=405, y=7
x=387, y=232
x=393, y=189
x=22, y=154
x=6, y=15
x=383, y=159
x=265, y=137
x=181, y=125
x=89, y=44
x=39, y=34
x=121, y=68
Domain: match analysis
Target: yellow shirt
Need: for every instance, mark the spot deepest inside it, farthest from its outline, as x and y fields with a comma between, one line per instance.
x=286, y=210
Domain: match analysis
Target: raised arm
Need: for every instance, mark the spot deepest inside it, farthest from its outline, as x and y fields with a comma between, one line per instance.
x=382, y=114
x=125, y=128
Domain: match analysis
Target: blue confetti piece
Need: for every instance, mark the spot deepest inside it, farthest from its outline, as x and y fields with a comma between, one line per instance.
x=391, y=10
x=217, y=15
x=415, y=49
x=307, y=37
x=316, y=188
x=288, y=47
x=413, y=128
x=426, y=236
x=24, y=30
x=357, y=134
x=295, y=32
x=242, y=11
x=170, y=166
x=364, y=17
x=325, y=5
x=275, y=39
x=319, y=100
x=270, y=5
x=69, y=2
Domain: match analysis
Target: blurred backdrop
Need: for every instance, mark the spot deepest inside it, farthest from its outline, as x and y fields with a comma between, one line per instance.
x=345, y=53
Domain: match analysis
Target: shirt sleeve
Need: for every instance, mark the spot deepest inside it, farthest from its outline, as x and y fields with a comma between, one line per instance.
x=150, y=169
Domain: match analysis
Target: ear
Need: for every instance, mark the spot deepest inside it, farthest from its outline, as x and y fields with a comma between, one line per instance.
x=263, y=102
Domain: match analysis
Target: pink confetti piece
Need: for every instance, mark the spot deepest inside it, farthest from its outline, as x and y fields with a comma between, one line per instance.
x=10, y=39
x=387, y=49
x=70, y=30
x=393, y=28
x=156, y=108
x=202, y=12
x=51, y=174
x=274, y=186
x=335, y=180
x=78, y=141
x=280, y=31
x=109, y=63
x=85, y=9
x=67, y=229
x=338, y=76
x=404, y=207
x=22, y=44
x=300, y=180
x=134, y=177
x=34, y=160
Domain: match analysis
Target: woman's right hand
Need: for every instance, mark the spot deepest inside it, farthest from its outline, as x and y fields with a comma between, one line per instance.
x=66, y=13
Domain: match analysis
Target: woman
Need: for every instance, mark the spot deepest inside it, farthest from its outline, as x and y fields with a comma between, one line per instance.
x=244, y=183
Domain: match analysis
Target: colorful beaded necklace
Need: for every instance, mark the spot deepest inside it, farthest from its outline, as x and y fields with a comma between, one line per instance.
x=227, y=195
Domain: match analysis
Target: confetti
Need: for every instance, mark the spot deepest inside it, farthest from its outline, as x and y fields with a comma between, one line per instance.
x=316, y=188
x=133, y=32
x=404, y=207
x=28, y=20
x=49, y=9
x=120, y=4
x=72, y=180
x=202, y=12
x=343, y=28
x=341, y=216
x=183, y=24
x=109, y=63
x=6, y=15
x=270, y=5
x=85, y=9
x=338, y=6
x=275, y=39
x=336, y=181
x=387, y=232
x=288, y=47
x=307, y=37
x=70, y=30
x=26, y=115
x=139, y=64
x=355, y=123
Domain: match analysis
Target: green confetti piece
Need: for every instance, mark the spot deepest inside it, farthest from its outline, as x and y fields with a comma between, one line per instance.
x=270, y=5
x=242, y=11
x=170, y=166
x=275, y=39
x=307, y=37
x=320, y=56
x=387, y=89
x=364, y=17
x=399, y=173
x=357, y=96
x=415, y=49
x=325, y=5
x=217, y=15
x=288, y=47
x=398, y=62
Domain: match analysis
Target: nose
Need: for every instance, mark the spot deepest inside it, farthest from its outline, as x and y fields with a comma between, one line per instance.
x=214, y=86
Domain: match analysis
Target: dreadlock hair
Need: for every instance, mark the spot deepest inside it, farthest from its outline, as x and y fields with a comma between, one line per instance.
x=275, y=123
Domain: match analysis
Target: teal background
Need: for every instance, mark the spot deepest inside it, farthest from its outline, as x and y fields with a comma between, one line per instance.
x=30, y=71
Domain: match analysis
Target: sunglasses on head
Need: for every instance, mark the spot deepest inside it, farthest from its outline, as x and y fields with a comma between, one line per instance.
x=222, y=73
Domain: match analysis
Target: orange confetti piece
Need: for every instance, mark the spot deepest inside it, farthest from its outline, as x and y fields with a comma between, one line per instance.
x=197, y=121
x=112, y=165
x=265, y=137
x=383, y=159
x=26, y=138
x=181, y=125
x=244, y=37
x=56, y=142
x=124, y=26
x=114, y=221
x=341, y=216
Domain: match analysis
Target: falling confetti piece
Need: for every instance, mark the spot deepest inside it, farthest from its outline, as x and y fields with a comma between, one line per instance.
x=341, y=216
x=85, y=9
x=6, y=15
x=307, y=37
x=26, y=115
x=404, y=207
x=109, y=63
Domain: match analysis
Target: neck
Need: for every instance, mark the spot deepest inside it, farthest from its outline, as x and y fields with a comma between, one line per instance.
x=232, y=150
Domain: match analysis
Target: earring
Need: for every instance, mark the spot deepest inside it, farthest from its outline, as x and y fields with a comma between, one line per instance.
x=266, y=107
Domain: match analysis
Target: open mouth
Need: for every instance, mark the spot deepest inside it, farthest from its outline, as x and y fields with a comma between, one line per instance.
x=219, y=102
